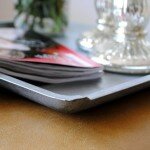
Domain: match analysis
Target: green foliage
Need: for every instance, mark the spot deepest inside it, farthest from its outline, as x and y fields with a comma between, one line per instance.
x=53, y=9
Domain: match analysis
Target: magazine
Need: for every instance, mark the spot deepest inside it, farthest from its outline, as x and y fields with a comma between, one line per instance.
x=38, y=58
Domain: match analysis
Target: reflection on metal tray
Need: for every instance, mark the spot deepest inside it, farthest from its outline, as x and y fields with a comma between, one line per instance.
x=73, y=97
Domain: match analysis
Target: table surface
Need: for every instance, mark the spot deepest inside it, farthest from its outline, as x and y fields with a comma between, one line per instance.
x=123, y=124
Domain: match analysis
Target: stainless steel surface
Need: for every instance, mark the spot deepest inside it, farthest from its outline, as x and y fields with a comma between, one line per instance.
x=73, y=97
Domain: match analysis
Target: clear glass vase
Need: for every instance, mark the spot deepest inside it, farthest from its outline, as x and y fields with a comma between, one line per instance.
x=124, y=46
x=46, y=17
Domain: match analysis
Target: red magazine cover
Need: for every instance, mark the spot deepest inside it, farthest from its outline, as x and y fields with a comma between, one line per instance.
x=36, y=48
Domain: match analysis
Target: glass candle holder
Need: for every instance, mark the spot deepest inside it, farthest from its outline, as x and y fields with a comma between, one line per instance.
x=125, y=48
x=101, y=33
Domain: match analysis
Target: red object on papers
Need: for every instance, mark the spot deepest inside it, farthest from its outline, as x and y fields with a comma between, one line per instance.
x=36, y=57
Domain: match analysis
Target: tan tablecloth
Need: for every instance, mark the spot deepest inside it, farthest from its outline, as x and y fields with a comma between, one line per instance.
x=120, y=125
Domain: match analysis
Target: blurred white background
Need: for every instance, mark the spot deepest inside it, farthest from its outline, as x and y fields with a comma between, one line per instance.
x=80, y=11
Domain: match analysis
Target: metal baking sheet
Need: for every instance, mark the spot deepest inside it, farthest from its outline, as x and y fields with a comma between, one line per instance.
x=74, y=97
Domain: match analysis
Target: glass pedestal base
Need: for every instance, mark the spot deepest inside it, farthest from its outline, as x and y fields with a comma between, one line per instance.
x=122, y=68
x=132, y=57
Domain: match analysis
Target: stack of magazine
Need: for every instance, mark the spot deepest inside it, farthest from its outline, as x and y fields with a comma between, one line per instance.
x=38, y=58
